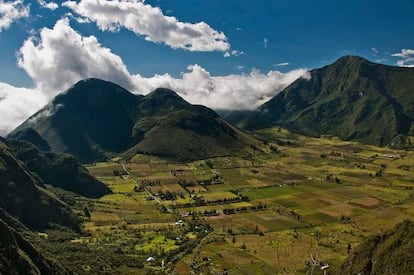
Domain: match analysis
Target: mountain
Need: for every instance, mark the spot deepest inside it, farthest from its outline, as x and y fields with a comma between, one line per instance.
x=351, y=98
x=27, y=200
x=169, y=126
x=88, y=120
x=389, y=253
x=59, y=170
x=18, y=253
x=33, y=137
x=95, y=119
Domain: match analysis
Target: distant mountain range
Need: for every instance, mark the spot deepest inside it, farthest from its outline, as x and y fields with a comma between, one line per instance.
x=352, y=98
x=95, y=119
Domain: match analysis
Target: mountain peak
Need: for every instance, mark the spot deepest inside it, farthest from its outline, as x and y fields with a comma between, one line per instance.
x=95, y=94
x=96, y=119
x=164, y=93
x=91, y=80
x=352, y=98
x=94, y=86
x=162, y=101
x=351, y=59
x=85, y=119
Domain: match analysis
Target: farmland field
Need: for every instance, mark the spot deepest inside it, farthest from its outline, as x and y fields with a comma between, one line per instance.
x=269, y=213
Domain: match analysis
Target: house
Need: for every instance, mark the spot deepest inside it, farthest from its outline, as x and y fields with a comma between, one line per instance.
x=150, y=259
x=179, y=222
x=324, y=268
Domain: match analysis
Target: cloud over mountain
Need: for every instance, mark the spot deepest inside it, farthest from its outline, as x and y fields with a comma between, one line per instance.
x=61, y=56
x=407, y=58
x=70, y=57
x=235, y=91
x=16, y=105
x=63, y=53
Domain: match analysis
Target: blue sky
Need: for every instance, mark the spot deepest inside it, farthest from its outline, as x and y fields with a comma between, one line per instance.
x=243, y=51
x=305, y=34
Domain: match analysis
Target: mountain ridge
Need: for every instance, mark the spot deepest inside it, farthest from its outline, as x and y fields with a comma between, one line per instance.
x=59, y=170
x=96, y=119
x=86, y=114
x=346, y=99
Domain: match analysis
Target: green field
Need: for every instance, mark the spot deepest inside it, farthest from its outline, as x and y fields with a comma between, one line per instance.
x=271, y=212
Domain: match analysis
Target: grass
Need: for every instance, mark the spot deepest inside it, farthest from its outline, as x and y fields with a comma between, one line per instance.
x=104, y=169
x=306, y=188
x=154, y=242
x=269, y=192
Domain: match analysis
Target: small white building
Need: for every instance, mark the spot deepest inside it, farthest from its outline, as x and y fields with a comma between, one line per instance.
x=150, y=259
x=324, y=268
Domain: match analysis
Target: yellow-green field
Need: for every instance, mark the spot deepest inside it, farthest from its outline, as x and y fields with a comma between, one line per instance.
x=270, y=213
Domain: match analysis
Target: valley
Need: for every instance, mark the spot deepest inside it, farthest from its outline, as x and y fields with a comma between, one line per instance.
x=290, y=203
x=206, y=137
x=133, y=184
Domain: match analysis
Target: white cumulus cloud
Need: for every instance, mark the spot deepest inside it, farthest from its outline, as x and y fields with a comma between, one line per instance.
x=406, y=56
x=48, y=5
x=16, y=105
x=10, y=11
x=150, y=22
x=236, y=91
x=60, y=57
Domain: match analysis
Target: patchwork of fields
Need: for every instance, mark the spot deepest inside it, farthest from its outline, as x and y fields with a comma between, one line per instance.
x=293, y=201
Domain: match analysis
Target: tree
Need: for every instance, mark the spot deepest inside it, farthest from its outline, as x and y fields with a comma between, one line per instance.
x=348, y=248
x=86, y=212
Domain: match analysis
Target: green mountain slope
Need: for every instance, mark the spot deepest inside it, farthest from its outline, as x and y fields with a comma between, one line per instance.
x=33, y=137
x=390, y=253
x=59, y=170
x=171, y=127
x=233, y=117
x=96, y=119
x=90, y=119
x=18, y=255
x=22, y=197
x=351, y=98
